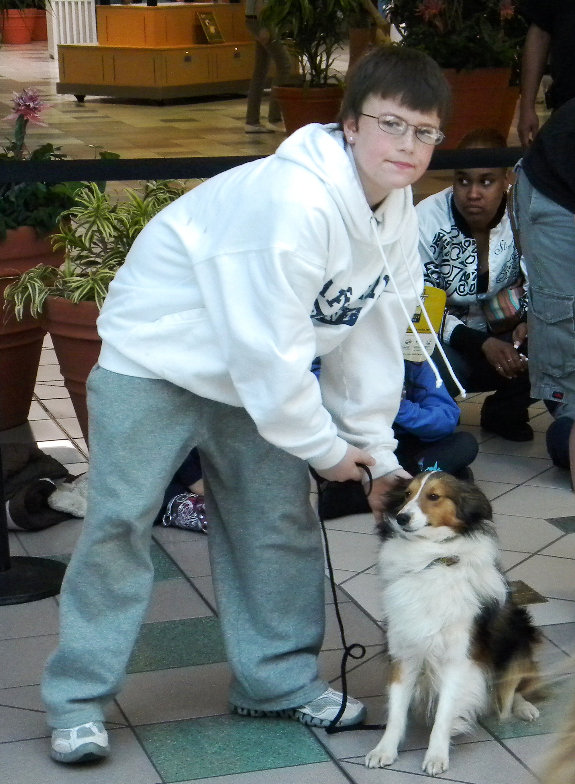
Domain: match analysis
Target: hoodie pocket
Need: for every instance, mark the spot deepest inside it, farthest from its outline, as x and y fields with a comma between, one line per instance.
x=552, y=336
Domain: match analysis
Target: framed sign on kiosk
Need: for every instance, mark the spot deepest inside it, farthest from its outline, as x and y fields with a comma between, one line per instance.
x=210, y=27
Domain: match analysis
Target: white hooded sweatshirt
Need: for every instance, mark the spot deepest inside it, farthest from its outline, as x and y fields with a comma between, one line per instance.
x=232, y=290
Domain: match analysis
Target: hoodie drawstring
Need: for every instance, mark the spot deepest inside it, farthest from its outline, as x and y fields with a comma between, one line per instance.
x=438, y=379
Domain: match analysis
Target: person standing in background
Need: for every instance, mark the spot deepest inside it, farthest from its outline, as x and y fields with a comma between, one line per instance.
x=550, y=36
x=268, y=47
x=545, y=209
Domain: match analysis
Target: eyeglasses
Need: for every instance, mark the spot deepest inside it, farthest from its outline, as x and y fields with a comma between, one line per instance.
x=397, y=126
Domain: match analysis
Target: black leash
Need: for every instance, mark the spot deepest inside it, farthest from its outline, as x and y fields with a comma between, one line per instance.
x=355, y=650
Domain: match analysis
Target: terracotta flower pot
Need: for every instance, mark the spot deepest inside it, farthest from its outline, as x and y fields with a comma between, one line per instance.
x=17, y=25
x=482, y=98
x=40, y=25
x=20, y=341
x=72, y=328
x=303, y=105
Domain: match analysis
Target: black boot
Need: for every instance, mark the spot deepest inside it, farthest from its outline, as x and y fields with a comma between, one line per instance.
x=498, y=417
x=338, y=499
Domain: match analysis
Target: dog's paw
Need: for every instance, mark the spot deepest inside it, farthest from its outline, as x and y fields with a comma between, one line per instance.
x=434, y=764
x=380, y=757
x=525, y=710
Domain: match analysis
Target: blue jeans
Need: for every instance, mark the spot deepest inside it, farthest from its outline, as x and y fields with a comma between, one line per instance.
x=547, y=233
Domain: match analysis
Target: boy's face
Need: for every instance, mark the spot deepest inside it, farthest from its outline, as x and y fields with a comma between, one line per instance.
x=384, y=161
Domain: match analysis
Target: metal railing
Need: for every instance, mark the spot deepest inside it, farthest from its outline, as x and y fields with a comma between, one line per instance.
x=70, y=22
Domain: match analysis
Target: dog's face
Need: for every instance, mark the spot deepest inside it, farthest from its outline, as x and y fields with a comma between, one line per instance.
x=435, y=504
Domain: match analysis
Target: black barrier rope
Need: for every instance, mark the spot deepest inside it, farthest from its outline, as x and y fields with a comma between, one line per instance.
x=201, y=168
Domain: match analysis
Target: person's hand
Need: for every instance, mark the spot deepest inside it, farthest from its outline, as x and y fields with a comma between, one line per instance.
x=527, y=126
x=504, y=358
x=348, y=467
x=377, y=499
x=519, y=335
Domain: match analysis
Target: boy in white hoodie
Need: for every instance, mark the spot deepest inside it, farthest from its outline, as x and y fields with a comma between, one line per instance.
x=208, y=335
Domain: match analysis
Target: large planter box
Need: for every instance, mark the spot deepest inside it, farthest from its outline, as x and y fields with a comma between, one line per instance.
x=20, y=341
x=482, y=98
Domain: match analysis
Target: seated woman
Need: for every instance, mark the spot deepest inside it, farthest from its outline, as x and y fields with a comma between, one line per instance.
x=468, y=250
x=426, y=440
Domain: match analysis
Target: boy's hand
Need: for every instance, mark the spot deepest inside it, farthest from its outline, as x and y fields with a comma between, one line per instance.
x=377, y=499
x=348, y=468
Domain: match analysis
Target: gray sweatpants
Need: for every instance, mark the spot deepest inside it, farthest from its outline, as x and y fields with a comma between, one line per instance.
x=264, y=540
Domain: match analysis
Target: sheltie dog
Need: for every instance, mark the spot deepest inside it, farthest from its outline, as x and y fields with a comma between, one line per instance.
x=456, y=641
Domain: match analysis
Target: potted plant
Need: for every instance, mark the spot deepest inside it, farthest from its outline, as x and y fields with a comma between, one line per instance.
x=40, y=24
x=478, y=43
x=314, y=31
x=19, y=21
x=29, y=212
x=95, y=236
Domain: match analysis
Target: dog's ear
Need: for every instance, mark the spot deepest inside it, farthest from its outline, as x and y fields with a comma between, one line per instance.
x=395, y=498
x=472, y=505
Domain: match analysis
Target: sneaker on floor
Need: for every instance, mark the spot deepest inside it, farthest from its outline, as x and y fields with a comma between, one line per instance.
x=85, y=743
x=323, y=710
x=258, y=128
x=317, y=713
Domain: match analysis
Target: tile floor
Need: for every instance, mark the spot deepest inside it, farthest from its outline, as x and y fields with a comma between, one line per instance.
x=171, y=721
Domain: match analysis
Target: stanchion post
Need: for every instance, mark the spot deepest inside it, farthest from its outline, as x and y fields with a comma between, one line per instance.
x=24, y=579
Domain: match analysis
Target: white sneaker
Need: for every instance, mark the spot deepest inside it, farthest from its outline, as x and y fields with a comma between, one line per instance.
x=84, y=743
x=258, y=128
x=317, y=713
x=323, y=710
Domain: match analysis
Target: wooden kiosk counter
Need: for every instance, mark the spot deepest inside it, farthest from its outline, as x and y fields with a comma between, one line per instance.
x=172, y=50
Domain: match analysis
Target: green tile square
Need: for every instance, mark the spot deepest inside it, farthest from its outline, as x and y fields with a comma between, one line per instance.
x=227, y=745
x=565, y=524
x=168, y=644
x=165, y=568
x=553, y=706
x=525, y=594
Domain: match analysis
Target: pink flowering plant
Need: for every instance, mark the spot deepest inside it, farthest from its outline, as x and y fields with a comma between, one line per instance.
x=35, y=204
x=462, y=34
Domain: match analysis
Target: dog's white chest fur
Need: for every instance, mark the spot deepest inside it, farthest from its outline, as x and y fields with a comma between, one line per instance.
x=432, y=591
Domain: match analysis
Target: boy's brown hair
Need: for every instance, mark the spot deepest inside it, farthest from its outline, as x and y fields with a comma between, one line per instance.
x=390, y=71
